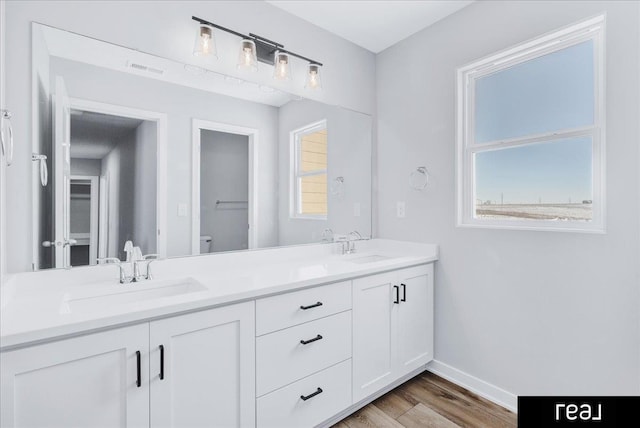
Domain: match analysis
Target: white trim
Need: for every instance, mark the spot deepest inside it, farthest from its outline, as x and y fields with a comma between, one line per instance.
x=252, y=134
x=94, y=214
x=161, y=147
x=484, y=389
x=466, y=147
x=295, y=175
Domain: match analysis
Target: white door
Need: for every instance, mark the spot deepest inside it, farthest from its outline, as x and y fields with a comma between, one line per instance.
x=88, y=381
x=203, y=369
x=415, y=318
x=374, y=340
x=62, y=172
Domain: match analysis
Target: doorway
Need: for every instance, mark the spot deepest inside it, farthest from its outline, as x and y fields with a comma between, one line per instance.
x=223, y=214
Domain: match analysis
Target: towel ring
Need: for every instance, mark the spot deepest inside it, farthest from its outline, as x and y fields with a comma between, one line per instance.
x=419, y=179
x=44, y=172
x=7, y=143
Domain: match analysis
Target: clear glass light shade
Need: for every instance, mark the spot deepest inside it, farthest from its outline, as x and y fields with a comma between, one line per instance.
x=205, y=42
x=282, y=66
x=313, y=77
x=247, y=59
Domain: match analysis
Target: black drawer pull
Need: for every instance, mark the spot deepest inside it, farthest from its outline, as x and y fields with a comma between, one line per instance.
x=404, y=293
x=304, y=308
x=318, y=391
x=397, y=290
x=161, y=362
x=304, y=342
x=139, y=376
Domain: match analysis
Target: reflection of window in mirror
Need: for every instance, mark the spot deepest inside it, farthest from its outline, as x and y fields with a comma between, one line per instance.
x=310, y=171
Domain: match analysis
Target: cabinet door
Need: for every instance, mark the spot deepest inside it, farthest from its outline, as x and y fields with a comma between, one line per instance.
x=208, y=370
x=415, y=318
x=87, y=381
x=374, y=340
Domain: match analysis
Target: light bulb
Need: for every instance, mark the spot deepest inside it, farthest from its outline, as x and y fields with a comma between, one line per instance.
x=205, y=43
x=282, y=68
x=247, y=59
x=313, y=77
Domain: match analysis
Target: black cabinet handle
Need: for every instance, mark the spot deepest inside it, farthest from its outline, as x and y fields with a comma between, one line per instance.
x=304, y=308
x=139, y=376
x=304, y=342
x=397, y=290
x=161, y=362
x=404, y=293
x=305, y=398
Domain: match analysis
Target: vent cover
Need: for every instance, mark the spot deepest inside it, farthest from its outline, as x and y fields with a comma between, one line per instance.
x=142, y=67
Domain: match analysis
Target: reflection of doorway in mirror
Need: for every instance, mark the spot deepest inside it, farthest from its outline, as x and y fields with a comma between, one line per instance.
x=224, y=209
x=114, y=163
x=83, y=219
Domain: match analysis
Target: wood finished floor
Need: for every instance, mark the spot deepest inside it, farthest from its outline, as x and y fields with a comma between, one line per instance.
x=429, y=401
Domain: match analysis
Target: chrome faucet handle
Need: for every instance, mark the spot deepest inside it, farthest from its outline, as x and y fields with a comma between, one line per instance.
x=114, y=260
x=150, y=258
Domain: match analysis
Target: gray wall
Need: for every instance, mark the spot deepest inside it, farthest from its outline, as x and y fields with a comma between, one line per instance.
x=145, y=188
x=348, y=77
x=529, y=312
x=348, y=156
x=81, y=166
x=224, y=175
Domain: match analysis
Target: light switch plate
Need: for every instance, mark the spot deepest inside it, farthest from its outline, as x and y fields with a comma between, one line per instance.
x=356, y=209
x=182, y=210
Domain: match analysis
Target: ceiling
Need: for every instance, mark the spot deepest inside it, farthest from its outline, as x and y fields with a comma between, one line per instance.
x=373, y=25
x=94, y=135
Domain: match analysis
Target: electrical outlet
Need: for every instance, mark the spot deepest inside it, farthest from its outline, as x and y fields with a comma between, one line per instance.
x=400, y=209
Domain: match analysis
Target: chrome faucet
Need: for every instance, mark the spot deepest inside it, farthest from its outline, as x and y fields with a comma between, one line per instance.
x=351, y=241
x=137, y=276
x=149, y=258
x=124, y=279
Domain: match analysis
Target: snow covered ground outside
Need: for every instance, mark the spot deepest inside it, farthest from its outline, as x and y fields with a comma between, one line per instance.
x=536, y=211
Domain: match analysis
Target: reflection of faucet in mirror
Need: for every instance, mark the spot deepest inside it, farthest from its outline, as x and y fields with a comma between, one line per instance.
x=327, y=235
x=351, y=244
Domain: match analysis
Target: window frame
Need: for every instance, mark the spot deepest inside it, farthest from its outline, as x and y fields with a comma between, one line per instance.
x=295, y=208
x=466, y=148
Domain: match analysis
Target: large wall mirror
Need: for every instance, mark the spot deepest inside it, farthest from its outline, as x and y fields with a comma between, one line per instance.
x=181, y=160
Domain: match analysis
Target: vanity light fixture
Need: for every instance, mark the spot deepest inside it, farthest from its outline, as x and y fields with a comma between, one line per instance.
x=205, y=42
x=254, y=49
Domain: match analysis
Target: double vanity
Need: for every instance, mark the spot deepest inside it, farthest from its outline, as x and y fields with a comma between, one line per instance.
x=288, y=337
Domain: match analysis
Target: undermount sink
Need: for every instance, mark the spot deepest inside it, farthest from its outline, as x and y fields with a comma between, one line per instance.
x=130, y=293
x=369, y=259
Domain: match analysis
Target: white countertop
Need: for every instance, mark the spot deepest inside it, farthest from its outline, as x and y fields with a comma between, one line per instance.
x=34, y=306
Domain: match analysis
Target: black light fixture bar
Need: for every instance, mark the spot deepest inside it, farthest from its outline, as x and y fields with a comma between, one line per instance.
x=260, y=41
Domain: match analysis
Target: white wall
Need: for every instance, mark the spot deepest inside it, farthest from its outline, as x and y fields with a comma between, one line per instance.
x=224, y=175
x=348, y=156
x=3, y=255
x=529, y=312
x=166, y=29
x=81, y=166
x=145, y=188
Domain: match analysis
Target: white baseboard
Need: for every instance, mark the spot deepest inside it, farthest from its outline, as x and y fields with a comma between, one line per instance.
x=473, y=384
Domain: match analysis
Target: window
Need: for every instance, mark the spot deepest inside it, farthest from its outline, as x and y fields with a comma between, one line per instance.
x=530, y=142
x=309, y=149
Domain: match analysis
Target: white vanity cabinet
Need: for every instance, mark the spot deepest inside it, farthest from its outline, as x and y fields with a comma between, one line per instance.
x=203, y=375
x=303, y=356
x=87, y=381
x=392, y=327
x=202, y=368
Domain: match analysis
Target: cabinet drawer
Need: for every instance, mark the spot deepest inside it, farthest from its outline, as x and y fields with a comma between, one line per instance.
x=285, y=408
x=286, y=310
x=281, y=358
